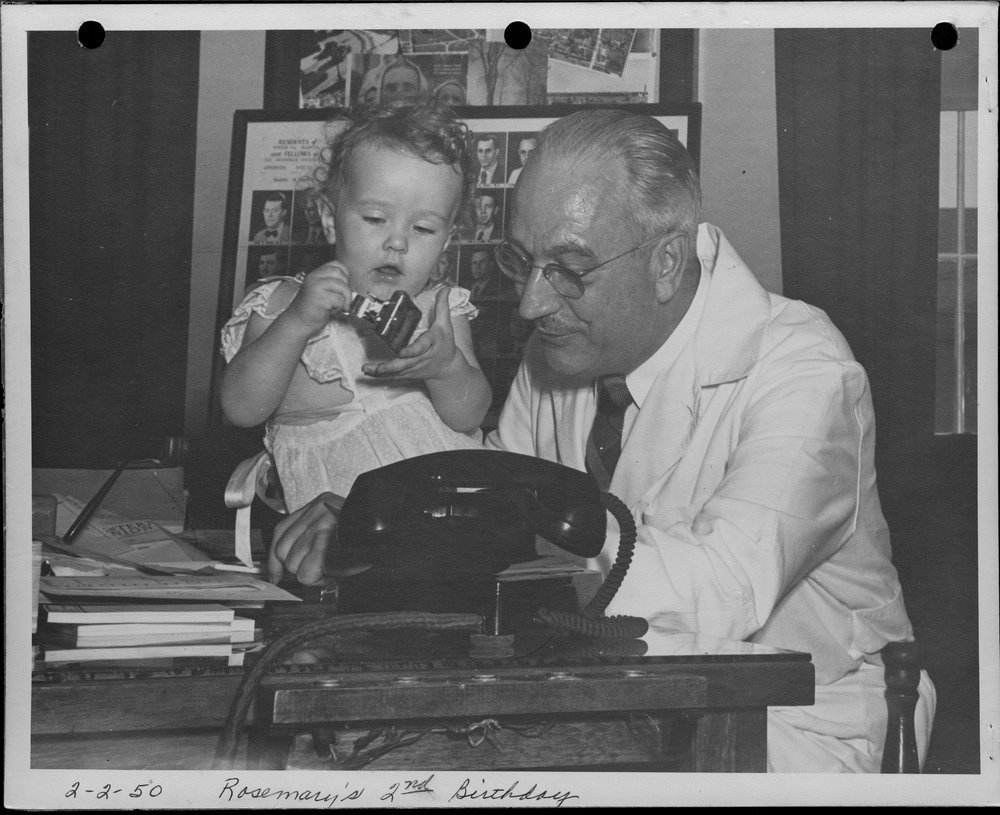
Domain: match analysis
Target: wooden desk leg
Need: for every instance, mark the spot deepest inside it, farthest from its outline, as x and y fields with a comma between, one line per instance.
x=266, y=749
x=732, y=741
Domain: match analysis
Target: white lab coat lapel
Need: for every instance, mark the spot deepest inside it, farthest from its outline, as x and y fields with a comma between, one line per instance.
x=724, y=348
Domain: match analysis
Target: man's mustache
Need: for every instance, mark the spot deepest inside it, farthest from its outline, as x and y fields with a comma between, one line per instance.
x=550, y=326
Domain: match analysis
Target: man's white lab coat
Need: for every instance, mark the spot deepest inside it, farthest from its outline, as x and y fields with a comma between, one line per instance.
x=749, y=469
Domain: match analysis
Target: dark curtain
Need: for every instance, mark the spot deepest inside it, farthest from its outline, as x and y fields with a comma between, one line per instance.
x=858, y=153
x=112, y=157
x=858, y=135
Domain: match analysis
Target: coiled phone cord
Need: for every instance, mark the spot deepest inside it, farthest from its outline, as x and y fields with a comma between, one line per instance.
x=591, y=621
x=228, y=744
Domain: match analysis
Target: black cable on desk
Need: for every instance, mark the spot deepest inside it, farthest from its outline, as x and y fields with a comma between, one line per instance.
x=228, y=743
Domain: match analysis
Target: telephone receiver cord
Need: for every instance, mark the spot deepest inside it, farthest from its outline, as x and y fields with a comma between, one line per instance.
x=591, y=621
x=227, y=746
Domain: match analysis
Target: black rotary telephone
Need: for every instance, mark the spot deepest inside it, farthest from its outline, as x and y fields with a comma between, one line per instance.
x=429, y=532
x=467, y=513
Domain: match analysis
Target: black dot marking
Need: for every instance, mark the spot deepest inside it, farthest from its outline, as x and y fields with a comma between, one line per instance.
x=517, y=35
x=91, y=34
x=944, y=36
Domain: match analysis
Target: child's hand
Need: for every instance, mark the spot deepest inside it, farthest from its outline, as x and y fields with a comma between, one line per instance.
x=325, y=290
x=432, y=355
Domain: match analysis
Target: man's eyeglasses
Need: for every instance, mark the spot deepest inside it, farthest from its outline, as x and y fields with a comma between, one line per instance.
x=565, y=281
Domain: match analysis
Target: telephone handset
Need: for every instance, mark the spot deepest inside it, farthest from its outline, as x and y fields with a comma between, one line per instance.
x=469, y=512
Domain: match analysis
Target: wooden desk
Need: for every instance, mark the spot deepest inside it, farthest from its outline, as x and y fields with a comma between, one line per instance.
x=701, y=703
x=129, y=719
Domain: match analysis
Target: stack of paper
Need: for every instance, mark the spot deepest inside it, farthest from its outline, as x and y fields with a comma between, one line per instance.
x=232, y=588
x=140, y=542
x=124, y=632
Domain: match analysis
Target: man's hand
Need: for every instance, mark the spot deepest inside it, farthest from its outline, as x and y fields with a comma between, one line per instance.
x=302, y=539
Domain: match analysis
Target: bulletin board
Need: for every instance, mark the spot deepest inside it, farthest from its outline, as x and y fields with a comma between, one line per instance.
x=271, y=226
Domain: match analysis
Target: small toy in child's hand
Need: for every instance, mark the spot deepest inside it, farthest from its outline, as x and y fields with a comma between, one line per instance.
x=394, y=320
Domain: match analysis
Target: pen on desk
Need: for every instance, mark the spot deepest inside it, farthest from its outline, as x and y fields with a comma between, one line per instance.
x=93, y=504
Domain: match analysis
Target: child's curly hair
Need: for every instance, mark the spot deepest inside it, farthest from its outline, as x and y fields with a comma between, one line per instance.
x=428, y=130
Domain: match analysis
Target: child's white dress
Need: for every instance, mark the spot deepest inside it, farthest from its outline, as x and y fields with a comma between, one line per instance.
x=384, y=423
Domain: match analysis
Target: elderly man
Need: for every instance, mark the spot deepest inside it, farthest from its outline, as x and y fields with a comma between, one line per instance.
x=746, y=428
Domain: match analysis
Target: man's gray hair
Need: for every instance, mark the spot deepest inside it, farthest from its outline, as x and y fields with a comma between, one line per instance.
x=662, y=179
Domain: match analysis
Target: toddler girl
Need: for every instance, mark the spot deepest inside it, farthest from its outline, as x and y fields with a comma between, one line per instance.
x=337, y=403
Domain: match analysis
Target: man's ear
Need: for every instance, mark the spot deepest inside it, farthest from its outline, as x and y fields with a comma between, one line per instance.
x=667, y=263
x=326, y=218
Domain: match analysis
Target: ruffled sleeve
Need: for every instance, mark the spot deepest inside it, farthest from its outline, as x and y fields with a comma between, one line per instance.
x=255, y=302
x=321, y=358
x=458, y=304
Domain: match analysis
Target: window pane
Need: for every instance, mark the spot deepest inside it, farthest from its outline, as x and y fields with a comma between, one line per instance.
x=971, y=325
x=946, y=386
x=971, y=231
x=944, y=389
x=971, y=157
x=947, y=231
x=948, y=163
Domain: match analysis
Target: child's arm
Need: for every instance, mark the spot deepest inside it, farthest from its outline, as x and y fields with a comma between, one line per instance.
x=256, y=380
x=443, y=358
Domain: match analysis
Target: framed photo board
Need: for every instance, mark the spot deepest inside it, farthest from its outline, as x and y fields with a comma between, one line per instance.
x=272, y=224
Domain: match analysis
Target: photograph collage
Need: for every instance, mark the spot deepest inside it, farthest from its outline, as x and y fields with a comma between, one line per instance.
x=342, y=68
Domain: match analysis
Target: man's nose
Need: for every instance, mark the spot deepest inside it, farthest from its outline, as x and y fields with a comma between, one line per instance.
x=538, y=299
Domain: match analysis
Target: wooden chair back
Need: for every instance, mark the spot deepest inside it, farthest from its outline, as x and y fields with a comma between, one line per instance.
x=902, y=675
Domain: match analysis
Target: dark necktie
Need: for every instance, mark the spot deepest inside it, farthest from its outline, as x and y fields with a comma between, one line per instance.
x=482, y=177
x=605, y=442
x=271, y=233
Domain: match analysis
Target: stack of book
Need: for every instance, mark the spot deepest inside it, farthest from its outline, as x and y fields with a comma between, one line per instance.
x=127, y=632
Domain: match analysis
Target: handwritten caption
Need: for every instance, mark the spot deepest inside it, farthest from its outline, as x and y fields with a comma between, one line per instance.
x=234, y=789
x=105, y=792
x=467, y=790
